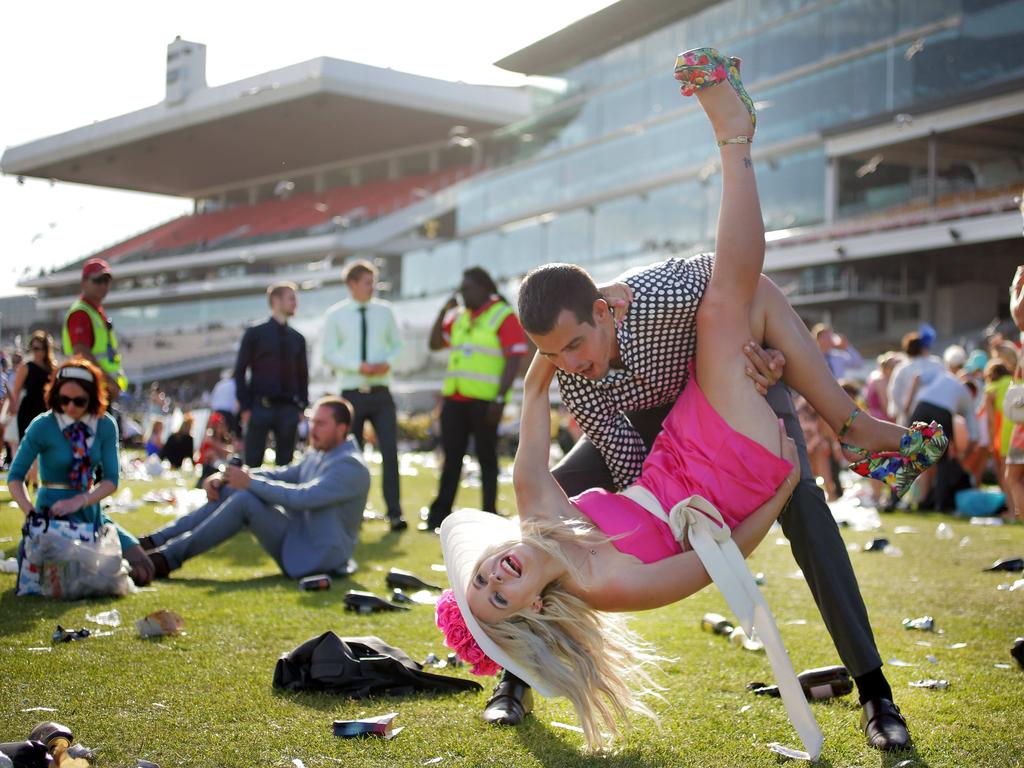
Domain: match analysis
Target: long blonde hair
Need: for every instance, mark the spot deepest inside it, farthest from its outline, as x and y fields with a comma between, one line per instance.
x=591, y=657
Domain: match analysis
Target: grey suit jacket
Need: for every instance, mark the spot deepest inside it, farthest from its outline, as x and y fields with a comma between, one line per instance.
x=324, y=495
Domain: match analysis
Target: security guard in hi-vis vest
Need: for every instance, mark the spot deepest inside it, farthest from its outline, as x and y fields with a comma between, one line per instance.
x=87, y=330
x=487, y=344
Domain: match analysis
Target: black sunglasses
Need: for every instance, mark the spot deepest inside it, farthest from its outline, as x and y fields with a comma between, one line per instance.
x=101, y=279
x=65, y=401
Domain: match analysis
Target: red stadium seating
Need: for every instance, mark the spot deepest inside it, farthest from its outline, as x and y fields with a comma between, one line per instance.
x=296, y=214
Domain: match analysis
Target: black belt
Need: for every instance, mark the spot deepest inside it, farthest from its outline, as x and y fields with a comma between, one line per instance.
x=269, y=402
x=366, y=390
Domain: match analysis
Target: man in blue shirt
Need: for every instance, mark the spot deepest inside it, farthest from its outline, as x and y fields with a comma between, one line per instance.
x=361, y=343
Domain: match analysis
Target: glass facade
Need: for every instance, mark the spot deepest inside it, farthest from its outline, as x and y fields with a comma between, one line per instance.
x=618, y=163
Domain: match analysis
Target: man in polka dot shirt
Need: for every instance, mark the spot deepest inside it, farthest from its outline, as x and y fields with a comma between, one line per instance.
x=620, y=379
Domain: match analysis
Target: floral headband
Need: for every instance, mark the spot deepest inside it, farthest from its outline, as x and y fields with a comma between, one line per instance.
x=458, y=637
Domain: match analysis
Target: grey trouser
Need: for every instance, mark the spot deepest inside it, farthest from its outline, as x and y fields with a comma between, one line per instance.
x=818, y=548
x=217, y=521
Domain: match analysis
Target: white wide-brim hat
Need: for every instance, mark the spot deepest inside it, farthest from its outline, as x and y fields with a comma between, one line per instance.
x=465, y=535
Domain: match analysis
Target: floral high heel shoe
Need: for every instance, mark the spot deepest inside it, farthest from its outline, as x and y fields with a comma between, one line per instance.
x=705, y=67
x=921, y=447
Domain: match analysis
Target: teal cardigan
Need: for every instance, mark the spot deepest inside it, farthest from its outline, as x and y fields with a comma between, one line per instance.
x=44, y=439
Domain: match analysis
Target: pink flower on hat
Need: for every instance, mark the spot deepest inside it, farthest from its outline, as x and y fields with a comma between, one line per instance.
x=457, y=636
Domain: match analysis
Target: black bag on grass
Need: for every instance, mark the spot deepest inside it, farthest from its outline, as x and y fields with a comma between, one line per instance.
x=358, y=667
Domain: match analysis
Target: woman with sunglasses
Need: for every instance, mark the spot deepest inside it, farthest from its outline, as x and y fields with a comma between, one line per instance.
x=76, y=444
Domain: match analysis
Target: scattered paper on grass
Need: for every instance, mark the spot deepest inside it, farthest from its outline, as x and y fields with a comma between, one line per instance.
x=432, y=761
x=298, y=763
x=956, y=646
x=438, y=567
x=792, y=754
x=39, y=709
x=894, y=662
x=1001, y=665
x=796, y=622
x=745, y=708
x=904, y=764
x=39, y=650
x=795, y=575
x=158, y=705
x=903, y=529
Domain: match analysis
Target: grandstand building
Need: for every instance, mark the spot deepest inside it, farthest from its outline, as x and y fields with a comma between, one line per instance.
x=890, y=147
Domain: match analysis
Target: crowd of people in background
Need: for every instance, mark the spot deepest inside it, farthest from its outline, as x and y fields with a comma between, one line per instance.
x=964, y=388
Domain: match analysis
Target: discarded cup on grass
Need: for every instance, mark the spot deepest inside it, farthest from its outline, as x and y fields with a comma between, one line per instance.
x=944, y=532
x=922, y=623
x=160, y=623
x=739, y=638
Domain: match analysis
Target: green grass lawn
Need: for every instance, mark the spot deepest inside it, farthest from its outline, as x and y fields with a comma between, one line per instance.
x=205, y=698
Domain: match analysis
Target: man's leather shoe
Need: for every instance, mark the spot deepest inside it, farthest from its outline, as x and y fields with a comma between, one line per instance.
x=509, y=704
x=398, y=524
x=147, y=544
x=161, y=570
x=884, y=726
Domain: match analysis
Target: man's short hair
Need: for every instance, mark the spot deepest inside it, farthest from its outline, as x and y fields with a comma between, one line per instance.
x=277, y=289
x=341, y=408
x=912, y=344
x=357, y=269
x=548, y=290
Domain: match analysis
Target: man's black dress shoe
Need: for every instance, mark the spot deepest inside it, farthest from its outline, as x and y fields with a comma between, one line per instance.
x=398, y=524
x=367, y=602
x=511, y=701
x=147, y=544
x=884, y=726
x=161, y=570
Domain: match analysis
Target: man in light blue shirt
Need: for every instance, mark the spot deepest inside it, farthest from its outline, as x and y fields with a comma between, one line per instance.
x=361, y=343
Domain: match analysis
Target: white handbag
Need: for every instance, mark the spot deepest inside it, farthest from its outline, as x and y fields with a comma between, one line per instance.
x=1013, y=403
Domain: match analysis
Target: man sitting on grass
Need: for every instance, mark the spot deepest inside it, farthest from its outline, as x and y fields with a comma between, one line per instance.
x=305, y=515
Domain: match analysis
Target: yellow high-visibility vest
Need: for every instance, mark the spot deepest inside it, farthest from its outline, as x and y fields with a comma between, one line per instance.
x=104, y=342
x=477, y=359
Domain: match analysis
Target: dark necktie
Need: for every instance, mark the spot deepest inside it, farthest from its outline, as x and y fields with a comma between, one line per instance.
x=286, y=362
x=362, y=331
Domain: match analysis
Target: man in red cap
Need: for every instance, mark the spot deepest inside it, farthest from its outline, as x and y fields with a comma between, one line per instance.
x=88, y=331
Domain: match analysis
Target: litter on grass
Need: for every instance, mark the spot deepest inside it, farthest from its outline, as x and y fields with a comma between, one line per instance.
x=110, y=618
x=894, y=662
x=39, y=709
x=792, y=754
x=935, y=685
x=380, y=726
x=160, y=623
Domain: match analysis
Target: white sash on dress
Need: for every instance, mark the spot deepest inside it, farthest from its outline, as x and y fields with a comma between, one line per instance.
x=724, y=563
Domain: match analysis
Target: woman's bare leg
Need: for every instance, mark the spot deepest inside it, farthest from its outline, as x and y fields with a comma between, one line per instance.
x=723, y=320
x=775, y=324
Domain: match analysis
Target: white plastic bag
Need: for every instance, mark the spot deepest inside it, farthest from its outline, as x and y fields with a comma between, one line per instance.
x=69, y=567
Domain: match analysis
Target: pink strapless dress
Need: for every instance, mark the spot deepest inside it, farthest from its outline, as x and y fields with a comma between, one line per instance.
x=697, y=452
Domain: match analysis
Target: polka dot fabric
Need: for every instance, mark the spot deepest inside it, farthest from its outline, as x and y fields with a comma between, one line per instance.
x=657, y=341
